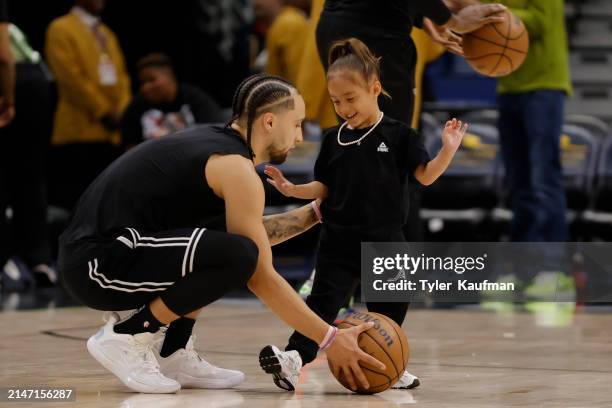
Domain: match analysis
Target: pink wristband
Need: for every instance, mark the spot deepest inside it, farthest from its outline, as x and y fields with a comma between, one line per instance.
x=317, y=211
x=329, y=337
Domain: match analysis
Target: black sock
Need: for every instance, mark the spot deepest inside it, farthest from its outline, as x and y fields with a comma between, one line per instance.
x=140, y=322
x=177, y=335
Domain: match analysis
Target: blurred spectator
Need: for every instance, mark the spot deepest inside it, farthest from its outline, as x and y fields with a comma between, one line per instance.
x=94, y=90
x=7, y=70
x=24, y=144
x=531, y=116
x=164, y=105
x=215, y=44
x=285, y=38
x=311, y=80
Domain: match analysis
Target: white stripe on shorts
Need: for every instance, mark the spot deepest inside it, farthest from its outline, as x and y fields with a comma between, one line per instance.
x=104, y=282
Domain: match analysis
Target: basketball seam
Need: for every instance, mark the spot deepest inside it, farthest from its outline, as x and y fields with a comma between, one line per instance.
x=389, y=379
x=484, y=56
x=496, y=29
x=494, y=43
x=379, y=373
x=510, y=26
x=401, y=345
x=509, y=61
x=505, y=44
x=381, y=347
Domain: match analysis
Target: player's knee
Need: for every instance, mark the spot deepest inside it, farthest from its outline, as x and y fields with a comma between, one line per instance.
x=244, y=256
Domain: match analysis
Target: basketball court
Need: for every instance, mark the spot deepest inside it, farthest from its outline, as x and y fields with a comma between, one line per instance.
x=553, y=357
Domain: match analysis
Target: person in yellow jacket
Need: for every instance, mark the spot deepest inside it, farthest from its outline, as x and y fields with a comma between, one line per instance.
x=285, y=38
x=94, y=89
x=311, y=80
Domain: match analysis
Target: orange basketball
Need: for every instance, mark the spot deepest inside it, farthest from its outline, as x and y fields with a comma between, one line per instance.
x=497, y=49
x=386, y=342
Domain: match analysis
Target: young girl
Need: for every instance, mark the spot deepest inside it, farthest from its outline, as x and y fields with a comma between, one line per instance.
x=360, y=172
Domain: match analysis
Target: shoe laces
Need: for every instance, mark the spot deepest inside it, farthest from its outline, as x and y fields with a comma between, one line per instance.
x=144, y=350
x=192, y=354
x=291, y=361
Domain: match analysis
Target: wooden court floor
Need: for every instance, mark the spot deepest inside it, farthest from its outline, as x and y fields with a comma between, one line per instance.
x=464, y=359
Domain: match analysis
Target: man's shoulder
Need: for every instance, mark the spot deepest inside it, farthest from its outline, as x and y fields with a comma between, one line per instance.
x=233, y=172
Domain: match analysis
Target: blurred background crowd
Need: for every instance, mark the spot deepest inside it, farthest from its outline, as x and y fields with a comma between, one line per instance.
x=94, y=78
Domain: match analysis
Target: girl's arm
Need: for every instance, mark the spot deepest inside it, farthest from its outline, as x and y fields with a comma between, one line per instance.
x=308, y=191
x=452, y=135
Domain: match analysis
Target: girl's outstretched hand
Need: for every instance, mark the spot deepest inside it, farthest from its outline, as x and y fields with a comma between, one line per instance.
x=278, y=180
x=453, y=134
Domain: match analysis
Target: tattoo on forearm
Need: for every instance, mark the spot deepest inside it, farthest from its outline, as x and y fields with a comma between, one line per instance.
x=284, y=226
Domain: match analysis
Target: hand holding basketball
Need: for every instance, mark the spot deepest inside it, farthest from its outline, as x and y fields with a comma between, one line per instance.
x=443, y=36
x=473, y=17
x=497, y=49
x=344, y=356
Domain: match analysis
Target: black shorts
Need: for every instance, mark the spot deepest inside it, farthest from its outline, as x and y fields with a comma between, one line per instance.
x=186, y=267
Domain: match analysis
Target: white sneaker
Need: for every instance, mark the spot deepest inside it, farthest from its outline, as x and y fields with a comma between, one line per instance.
x=406, y=382
x=130, y=358
x=283, y=365
x=191, y=371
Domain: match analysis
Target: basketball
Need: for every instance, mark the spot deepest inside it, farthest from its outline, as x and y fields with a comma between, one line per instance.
x=387, y=343
x=498, y=49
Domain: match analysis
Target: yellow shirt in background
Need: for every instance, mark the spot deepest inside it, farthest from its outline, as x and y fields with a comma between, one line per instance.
x=285, y=43
x=74, y=55
x=311, y=81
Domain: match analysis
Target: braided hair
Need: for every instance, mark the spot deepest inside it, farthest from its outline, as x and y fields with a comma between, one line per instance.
x=259, y=94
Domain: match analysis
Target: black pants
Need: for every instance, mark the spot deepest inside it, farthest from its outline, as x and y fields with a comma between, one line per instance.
x=397, y=65
x=338, y=274
x=24, y=145
x=188, y=268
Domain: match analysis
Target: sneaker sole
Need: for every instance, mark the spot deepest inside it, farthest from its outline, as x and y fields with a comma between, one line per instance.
x=414, y=384
x=270, y=364
x=110, y=365
x=188, y=381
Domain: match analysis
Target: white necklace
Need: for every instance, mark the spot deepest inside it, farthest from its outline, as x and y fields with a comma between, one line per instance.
x=358, y=141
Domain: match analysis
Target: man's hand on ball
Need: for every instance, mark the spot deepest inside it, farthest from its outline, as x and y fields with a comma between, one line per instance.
x=344, y=356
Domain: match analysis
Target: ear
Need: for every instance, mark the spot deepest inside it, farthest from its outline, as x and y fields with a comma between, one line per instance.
x=267, y=120
x=376, y=87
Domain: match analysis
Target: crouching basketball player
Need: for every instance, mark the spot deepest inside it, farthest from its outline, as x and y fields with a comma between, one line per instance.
x=177, y=223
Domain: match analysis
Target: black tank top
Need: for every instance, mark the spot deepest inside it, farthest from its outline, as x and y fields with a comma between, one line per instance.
x=157, y=186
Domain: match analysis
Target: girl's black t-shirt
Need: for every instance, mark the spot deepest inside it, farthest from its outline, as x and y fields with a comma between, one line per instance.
x=366, y=182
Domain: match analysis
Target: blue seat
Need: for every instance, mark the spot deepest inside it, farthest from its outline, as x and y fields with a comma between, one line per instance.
x=603, y=187
x=579, y=151
x=470, y=180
